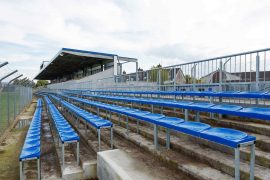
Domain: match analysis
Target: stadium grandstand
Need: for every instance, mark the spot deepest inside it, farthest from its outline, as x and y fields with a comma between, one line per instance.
x=206, y=119
x=72, y=64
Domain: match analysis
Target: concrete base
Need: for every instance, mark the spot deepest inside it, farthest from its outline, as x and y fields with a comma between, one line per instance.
x=72, y=173
x=89, y=169
x=117, y=165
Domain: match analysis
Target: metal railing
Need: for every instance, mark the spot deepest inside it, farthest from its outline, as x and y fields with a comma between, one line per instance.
x=13, y=99
x=247, y=71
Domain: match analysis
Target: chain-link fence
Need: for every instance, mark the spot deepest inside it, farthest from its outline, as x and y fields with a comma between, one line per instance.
x=13, y=99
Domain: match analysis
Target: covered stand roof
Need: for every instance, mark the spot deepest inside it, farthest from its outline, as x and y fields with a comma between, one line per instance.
x=68, y=60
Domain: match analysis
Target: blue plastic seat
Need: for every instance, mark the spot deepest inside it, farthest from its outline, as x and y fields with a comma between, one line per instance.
x=227, y=94
x=256, y=94
x=31, y=143
x=137, y=114
x=30, y=152
x=266, y=95
x=69, y=136
x=31, y=147
x=90, y=118
x=65, y=131
x=225, y=108
x=255, y=112
x=202, y=106
x=169, y=120
x=188, y=127
x=179, y=104
x=151, y=117
x=206, y=107
x=225, y=136
x=39, y=103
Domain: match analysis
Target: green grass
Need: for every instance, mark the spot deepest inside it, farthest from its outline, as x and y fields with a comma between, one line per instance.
x=11, y=147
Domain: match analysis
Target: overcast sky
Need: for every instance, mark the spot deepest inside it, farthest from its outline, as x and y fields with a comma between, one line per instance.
x=154, y=31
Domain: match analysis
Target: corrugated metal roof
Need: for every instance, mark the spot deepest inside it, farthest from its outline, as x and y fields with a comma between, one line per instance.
x=68, y=60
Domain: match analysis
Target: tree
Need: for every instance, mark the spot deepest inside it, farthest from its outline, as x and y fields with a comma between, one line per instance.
x=16, y=81
x=42, y=83
x=140, y=69
x=190, y=80
x=153, y=74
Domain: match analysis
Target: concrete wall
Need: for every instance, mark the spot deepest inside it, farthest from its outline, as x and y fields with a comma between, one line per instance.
x=118, y=165
x=101, y=75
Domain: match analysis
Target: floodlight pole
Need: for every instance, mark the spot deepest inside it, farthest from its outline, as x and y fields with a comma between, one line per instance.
x=8, y=88
x=13, y=72
x=14, y=79
x=3, y=64
x=22, y=81
x=26, y=82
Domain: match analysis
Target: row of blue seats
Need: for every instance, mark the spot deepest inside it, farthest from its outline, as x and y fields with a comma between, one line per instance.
x=224, y=136
x=31, y=147
x=228, y=109
x=231, y=94
x=200, y=129
x=65, y=132
x=88, y=117
x=92, y=119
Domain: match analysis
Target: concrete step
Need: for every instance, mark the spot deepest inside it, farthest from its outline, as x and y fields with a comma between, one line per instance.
x=117, y=164
x=223, y=161
x=88, y=157
x=146, y=136
x=88, y=161
x=226, y=164
x=262, y=141
x=185, y=164
x=257, y=128
x=175, y=160
x=262, y=155
x=70, y=170
x=156, y=168
x=216, y=159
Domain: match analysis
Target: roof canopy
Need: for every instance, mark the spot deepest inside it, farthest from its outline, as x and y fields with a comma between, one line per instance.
x=68, y=61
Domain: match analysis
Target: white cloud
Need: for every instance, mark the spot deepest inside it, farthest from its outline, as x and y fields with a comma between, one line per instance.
x=153, y=31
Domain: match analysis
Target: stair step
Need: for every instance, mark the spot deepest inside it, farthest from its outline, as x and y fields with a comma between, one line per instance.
x=90, y=136
x=186, y=164
x=214, y=158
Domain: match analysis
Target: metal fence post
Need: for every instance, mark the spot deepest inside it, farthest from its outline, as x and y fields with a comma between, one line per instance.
x=1, y=115
x=159, y=79
x=257, y=75
x=8, y=105
x=257, y=71
x=137, y=75
x=220, y=75
x=14, y=105
x=174, y=79
x=193, y=76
